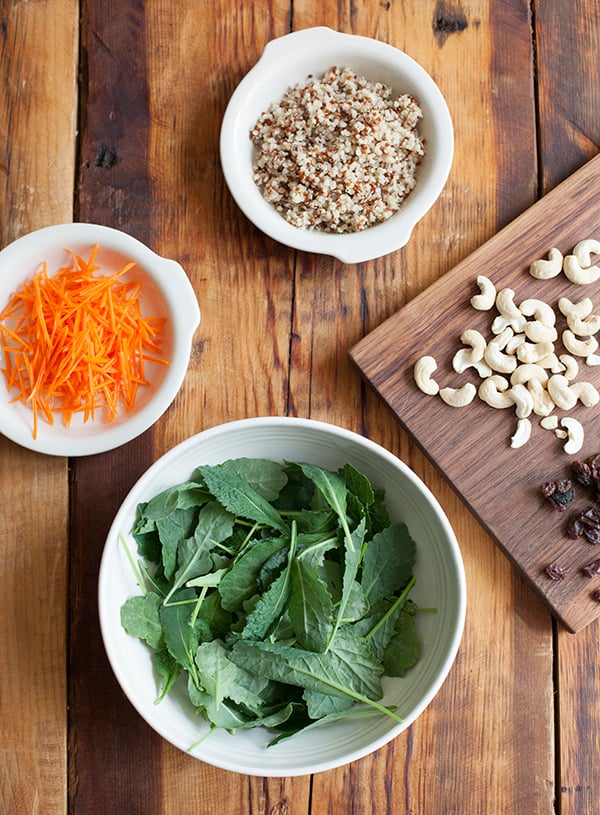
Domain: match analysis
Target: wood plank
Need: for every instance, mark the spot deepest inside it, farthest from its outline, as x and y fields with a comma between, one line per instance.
x=510, y=507
x=567, y=87
x=483, y=702
x=38, y=63
x=569, y=95
x=114, y=189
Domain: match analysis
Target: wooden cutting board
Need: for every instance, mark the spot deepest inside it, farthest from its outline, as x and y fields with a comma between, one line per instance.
x=471, y=445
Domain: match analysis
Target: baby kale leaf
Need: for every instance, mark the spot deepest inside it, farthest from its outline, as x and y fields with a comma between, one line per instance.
x=266, y=477
x=182, y=635
x=192, y=555
x=404, y=648
x=140, y=618
x=346, y=669
x=272, y=603
x=388, y=562
x=171, y=530
x=223, y=679
x=353, y=545
x=168, y=670
x=240, y=582
x=241, y=498
x=310, y=606
x=325, y=704
x=332, y=487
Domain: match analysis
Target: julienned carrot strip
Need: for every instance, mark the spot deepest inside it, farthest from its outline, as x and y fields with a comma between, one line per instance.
x=76, y=342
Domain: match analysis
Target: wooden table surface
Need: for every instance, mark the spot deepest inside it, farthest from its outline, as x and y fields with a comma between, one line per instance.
x=110, y=112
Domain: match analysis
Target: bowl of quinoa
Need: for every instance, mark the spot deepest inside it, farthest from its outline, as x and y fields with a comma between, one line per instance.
x=336, y=144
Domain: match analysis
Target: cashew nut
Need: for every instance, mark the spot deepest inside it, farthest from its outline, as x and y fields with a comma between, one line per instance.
x=534, y=351
x=574, y=430
x=536, y=331
x=577, y=347
x=561, y=393
x=586, y=327
x=542, y=312
x=586, y=393
x=570, y=366
x=476, y=340
x=582, y=309
x=494, y=356
x=549, y=422
x=487, y=296
x=494, y=392
x=552, y=363
x=592, y=359
x=473, y=357
x=525, y=373
x=523, y=401
x=509, y=315
x=521, y=434
x=423, y=370
x=584, y=249
x=545, y=269
x=576, y=273
x=513, y=343
x=462, y=360
x=459, y=397
x=579, y=316
x=543, y=404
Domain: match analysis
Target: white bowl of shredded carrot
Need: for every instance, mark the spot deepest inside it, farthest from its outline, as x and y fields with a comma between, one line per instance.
x=95, y=338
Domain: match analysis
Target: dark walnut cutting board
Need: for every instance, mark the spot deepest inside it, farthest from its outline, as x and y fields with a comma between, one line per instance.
x=471, y=445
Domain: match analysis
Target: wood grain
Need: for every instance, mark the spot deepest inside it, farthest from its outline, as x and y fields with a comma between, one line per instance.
x=38, y=64
x=472, y=446
x=155, y=78
x=114, y=189
x=570, y=136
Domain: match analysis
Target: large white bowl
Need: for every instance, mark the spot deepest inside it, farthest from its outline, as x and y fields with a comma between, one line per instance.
x=440, y=583
x=166, y=292
x=289, y=60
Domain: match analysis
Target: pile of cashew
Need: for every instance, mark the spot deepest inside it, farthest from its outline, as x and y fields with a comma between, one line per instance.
x=520, y=366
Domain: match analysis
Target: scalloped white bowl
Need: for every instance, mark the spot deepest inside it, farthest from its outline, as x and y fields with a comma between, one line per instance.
x=289, y=60
x=440, y=583
x=166, y=292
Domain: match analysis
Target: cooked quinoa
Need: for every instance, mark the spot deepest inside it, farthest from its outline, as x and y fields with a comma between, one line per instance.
x=338, y=154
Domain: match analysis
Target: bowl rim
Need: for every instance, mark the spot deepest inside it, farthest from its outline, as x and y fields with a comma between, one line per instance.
x=378, y=240
x=105, y=594
x=179, y=297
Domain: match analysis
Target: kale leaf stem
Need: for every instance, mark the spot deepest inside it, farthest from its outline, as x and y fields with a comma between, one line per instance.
x=138, y=575
x=199, y=602
x=400, y=601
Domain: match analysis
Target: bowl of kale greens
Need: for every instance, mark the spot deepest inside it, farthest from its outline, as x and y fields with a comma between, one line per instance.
x=280, y=596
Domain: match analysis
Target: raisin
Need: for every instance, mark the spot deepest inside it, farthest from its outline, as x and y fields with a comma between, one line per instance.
x=555, y=572
x=592, y=569
x=560, y=493
x=586, y=525
x=582, y=473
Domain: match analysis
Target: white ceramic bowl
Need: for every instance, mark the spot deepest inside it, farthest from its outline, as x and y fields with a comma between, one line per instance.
x=289, y=60
x=440, y=583
x=166, y=292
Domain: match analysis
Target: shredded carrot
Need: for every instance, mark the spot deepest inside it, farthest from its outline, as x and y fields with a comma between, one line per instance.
x=76, y=342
